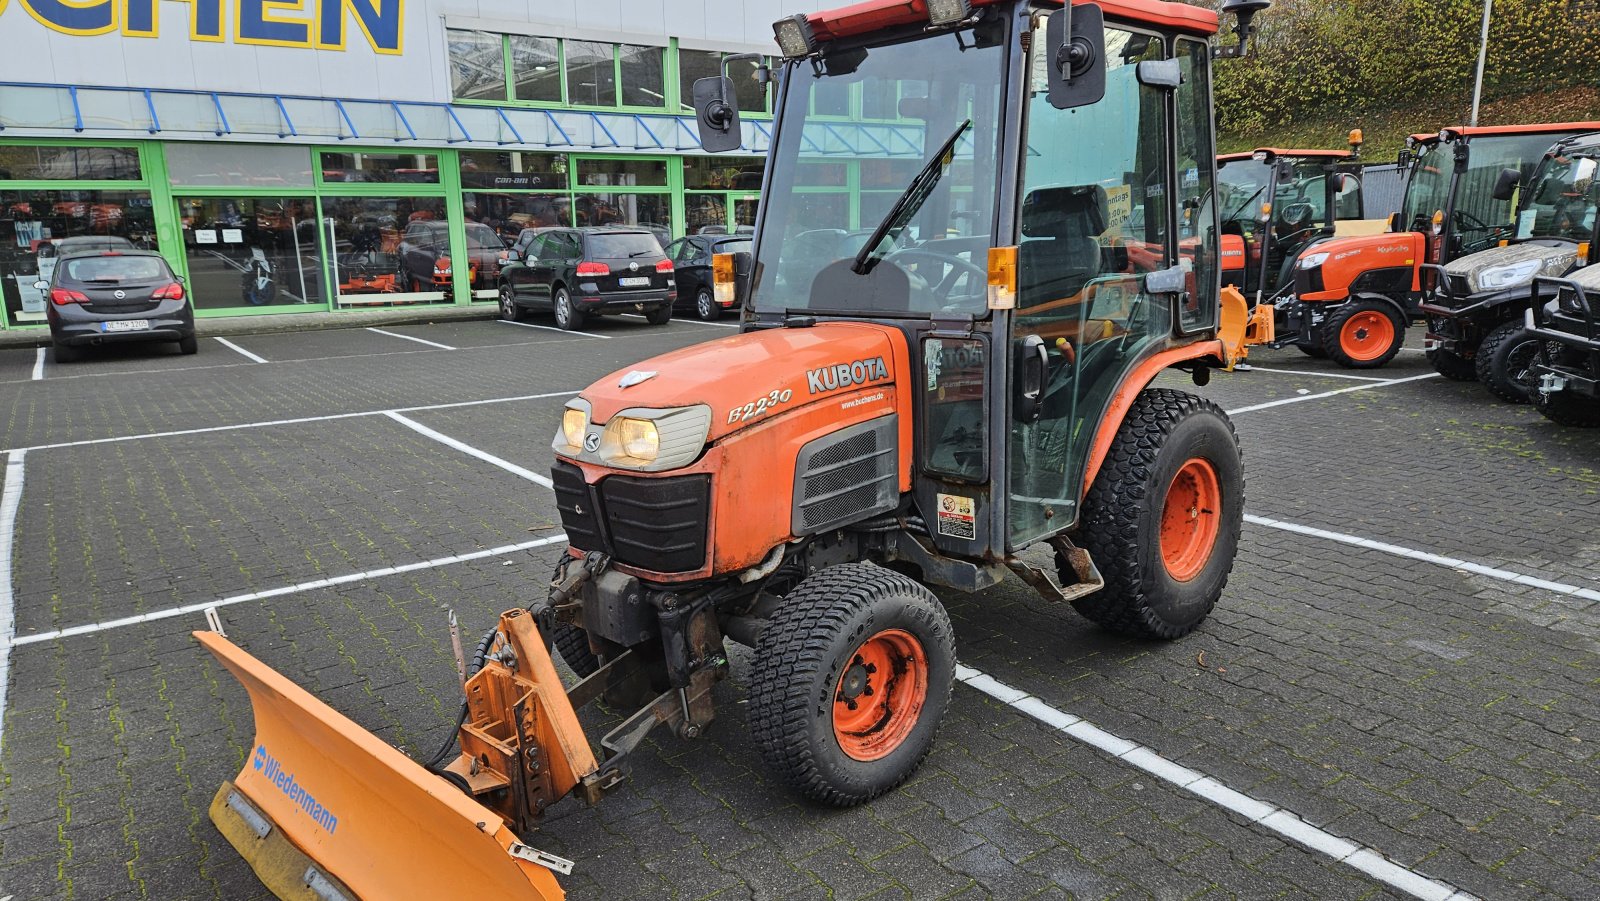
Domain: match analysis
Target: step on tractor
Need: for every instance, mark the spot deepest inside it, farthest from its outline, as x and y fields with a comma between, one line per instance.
x=1566, y=370
x=952, y=316
x=1478, y=304
x=1357, y=295
x=1276, y=204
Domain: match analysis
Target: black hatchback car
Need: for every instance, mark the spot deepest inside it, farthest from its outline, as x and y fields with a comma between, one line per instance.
x=691, y=260
x=116, y=297
x=582, y=272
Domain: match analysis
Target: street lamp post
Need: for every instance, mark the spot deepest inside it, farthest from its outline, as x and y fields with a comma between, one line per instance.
x=1483, y=52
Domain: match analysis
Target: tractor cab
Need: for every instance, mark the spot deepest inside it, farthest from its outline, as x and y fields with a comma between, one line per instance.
x=1276, y=203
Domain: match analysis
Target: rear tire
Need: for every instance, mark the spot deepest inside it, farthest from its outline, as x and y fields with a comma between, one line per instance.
x=189, y=346
x=66, y=353
x=660, y=315
x=705, y=306
x=1504, y=361
x=1363, y=334
x=1162, y=518
x=850, y=679
x=1568, y=409
x=568, y=317
x=1451, y=365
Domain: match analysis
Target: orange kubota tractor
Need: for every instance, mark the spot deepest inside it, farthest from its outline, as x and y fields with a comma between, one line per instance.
x=936, y=384
x=1355, y=296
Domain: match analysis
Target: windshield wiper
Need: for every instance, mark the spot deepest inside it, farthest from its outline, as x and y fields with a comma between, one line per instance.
x=1240, y=208
x=911, y=200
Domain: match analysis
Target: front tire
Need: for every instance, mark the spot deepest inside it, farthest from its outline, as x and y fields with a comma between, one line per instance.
x=1451, y=365
x=1568, y=409
x=1363, y=334
x=1505, y=361
x=1162, y=518
x=851, y=678
x=705, y=306
x=568, y=317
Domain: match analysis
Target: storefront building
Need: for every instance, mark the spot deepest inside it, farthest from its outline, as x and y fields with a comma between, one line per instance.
x=336, y=154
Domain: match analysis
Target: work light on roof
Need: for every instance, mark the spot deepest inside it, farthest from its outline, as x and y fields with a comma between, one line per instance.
x=948, y=12
x=795, y=37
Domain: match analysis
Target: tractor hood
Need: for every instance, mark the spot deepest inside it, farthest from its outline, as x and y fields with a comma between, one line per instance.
x=747, y=378
x=1512, y=266
x=1387, y=250
x=1588, y=278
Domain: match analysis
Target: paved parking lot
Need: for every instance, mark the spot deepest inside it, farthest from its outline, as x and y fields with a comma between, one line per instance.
x=1395, y=697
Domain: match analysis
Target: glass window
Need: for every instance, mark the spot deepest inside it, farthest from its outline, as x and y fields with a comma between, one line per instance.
x=591, y=73
x=513, y=169
x=1197, y=232
x=705, y=214
x=644, y=79
x=32, y=163
x=614, y=171
x=751, y=94
x=239, y=165
x=694, y=65
x=652, y=211
x=508, y=217
x=388, y=249
x=414, y=168
x=1095, y=193
x=954, y=430
x=614, y=246
x=34, y=223
x=723, y=173
x=251, y=251
x=477, y=65
x=536, y=68
x=115, y=268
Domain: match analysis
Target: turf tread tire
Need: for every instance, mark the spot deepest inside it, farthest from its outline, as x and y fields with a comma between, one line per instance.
x=799, y=645
x=1114, y=518
x=1333, y=349
x=1566, y=409
x=1490, y=364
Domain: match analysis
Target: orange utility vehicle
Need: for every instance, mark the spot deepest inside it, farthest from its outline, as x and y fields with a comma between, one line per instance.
x=1358, y=294
x=937, y=384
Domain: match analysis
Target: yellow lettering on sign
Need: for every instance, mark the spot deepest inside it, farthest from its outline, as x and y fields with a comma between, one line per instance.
x=81, y=17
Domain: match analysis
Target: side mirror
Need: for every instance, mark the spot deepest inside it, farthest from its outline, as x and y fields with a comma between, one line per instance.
x=41, y=285
x=1348, y=183
x=1506, y=184
x=717, y=118
x=1075, y=55
x=1245, y=11
x=1030, y=367
x=513, y=256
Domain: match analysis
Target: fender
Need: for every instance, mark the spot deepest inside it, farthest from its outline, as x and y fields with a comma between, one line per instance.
x=1136, y=381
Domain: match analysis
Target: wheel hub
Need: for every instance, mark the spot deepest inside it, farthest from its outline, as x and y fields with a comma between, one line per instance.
x=1191, y=519
x=880, y=695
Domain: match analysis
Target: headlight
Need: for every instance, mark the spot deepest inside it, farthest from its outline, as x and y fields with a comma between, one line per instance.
x=573, y=424
x=1510, y=276
x=638, y=438
x=1313, y=260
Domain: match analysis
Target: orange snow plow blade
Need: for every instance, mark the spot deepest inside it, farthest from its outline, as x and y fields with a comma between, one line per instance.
x=325, y=810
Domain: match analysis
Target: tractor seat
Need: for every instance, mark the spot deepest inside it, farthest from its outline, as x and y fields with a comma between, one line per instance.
x=1060, y=251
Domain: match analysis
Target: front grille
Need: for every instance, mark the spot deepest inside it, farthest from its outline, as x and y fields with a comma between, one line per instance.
x=579, y=516
x=1460, y=286
x=1308, y=281
x=846, y=476
x=658, y=524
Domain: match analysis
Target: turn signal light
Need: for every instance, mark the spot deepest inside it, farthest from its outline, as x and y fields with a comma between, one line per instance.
x=664, y=266
x=62, y=297
x=173, y=291
x=593, y=269
x=1002, y=277
x=722, y=279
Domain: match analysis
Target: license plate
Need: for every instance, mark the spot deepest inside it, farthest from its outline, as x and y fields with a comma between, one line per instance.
x=638, y=282
x=125, y=325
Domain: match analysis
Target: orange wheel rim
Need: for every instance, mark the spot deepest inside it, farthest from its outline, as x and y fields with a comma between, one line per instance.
x=880, y=695
x=1366, y=335
x=1191, y=519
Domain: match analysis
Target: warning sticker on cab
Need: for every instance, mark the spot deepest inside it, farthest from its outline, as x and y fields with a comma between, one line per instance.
x=956, y=516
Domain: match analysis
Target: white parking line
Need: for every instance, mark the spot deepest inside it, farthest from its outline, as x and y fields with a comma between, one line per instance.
x=551, y=328
x=1482, y=569
x=38, y=366
x=1303, y=398
x=690, y=321
x=297, y=421
x=10, y=500
x=89, y=628
x=241, y=351
x=411, y=338
x=1268, y=816
x=469, y=450
x=1326, y=375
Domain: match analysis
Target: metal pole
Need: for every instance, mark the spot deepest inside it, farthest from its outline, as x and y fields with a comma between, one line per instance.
x=1483, y=51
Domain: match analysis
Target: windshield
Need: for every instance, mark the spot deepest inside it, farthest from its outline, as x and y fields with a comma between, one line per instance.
x=1563, y=199
x=1478, y=218
x=621, y=246
x=1428, y=188
x=482, y=237
x=1241, y=188
x=857, y=129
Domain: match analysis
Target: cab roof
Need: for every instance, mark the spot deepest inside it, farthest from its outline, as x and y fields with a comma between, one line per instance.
x=874, y=15
x=1474, y=131
x=1285, y=152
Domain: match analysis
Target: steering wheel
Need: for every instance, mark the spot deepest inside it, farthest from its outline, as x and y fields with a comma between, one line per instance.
x=1297, y=215
x=1471, y=222
x=948, y=283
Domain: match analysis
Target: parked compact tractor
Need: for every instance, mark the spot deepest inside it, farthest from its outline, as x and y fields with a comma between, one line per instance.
x=1358, y=294
x=1479, y=302
x=1566, y=371
x=956, y=387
